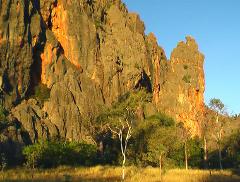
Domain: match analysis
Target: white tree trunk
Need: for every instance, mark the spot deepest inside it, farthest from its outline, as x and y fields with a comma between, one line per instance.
x=123, y=143
x=220, y=156
x=123, y=167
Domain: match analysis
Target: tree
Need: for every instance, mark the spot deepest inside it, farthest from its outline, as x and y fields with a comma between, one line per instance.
x=219, y=108
x=185, y=135
x=125, y=129
x=160, y=142
x=127, y=107
x=33, y=154
x=206, y=130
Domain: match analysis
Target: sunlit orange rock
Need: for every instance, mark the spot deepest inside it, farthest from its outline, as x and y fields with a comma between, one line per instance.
x=181, y=95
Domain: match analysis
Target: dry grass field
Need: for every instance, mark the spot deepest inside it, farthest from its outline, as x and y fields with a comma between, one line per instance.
x=112, y=174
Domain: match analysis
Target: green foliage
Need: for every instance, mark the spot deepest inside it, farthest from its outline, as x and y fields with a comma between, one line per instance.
x=185, y=66
x=137, y=66
x=122, y=110
x=163, y=119
x=3, y=161
x=195, y=152
x=126, y=104
x=161, y=141
x=156, y=135
x=187, y=78
x=3, y=113
x=216, y=105
x=132, y=100
x=98, y=24
x=52, y=154
x=150, y=140
x=33, y=154
x=230, y=152
x=41, y=93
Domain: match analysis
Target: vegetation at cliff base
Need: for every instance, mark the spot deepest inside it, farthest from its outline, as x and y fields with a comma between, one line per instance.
x=56, y=153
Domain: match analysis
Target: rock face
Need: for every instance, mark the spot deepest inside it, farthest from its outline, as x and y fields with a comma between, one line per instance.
x=181, y=93
x=89, y=53
x=15, y=50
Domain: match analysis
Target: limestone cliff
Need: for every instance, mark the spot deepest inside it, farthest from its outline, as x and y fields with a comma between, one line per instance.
x=181, y=93
x=89, y=53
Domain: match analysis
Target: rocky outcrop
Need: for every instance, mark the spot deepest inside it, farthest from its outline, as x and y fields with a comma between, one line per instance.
x=159, y=66
x=34, y=120
x=181, y=94
x=89, y=53
x=15, y=50
x=12, y=139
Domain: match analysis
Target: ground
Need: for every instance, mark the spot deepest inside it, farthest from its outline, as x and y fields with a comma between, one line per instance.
x=112, y=174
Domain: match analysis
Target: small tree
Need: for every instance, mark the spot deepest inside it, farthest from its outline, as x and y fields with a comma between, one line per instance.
x=125, y=129
x=41, y=93
x=185, y=135
x=156, y=151
x=160, y=142
x=33, y=154
x=206, y=130
x=219, y=108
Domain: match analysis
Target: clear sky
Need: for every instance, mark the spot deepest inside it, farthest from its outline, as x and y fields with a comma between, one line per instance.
x=215, y=25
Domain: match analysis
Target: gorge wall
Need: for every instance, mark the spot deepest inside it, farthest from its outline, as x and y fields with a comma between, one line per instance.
x=88, y=53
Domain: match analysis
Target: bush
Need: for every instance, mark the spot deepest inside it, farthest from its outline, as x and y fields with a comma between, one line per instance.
x=33, y=154
x=41, y=93
x=163, y=119
x=53, y=154
x=127, y=102
x=195, y=152
x=187, y=78
x=185, y=66
x=3, y=113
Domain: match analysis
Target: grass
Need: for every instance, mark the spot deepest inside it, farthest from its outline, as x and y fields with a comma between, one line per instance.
x=112, y=174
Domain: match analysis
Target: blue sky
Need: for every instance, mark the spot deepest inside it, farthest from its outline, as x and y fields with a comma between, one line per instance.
x=215, y=24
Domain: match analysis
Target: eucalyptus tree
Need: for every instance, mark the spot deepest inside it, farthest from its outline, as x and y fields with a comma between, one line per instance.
x=218, y=107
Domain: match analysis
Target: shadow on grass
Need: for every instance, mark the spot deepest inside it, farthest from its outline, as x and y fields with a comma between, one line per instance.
x=236, y=171
x=222, y=178
x=75, y=179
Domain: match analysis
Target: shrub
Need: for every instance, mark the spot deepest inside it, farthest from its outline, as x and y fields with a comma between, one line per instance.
x=3, y=113
x=98, y=24
x=127, y=102
x=185, y=66
x=187, y=78
x=163, y=119
x=52, y=154
x=195, y=152
x=33, y=154
x=150, y=139
x=41, y=93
